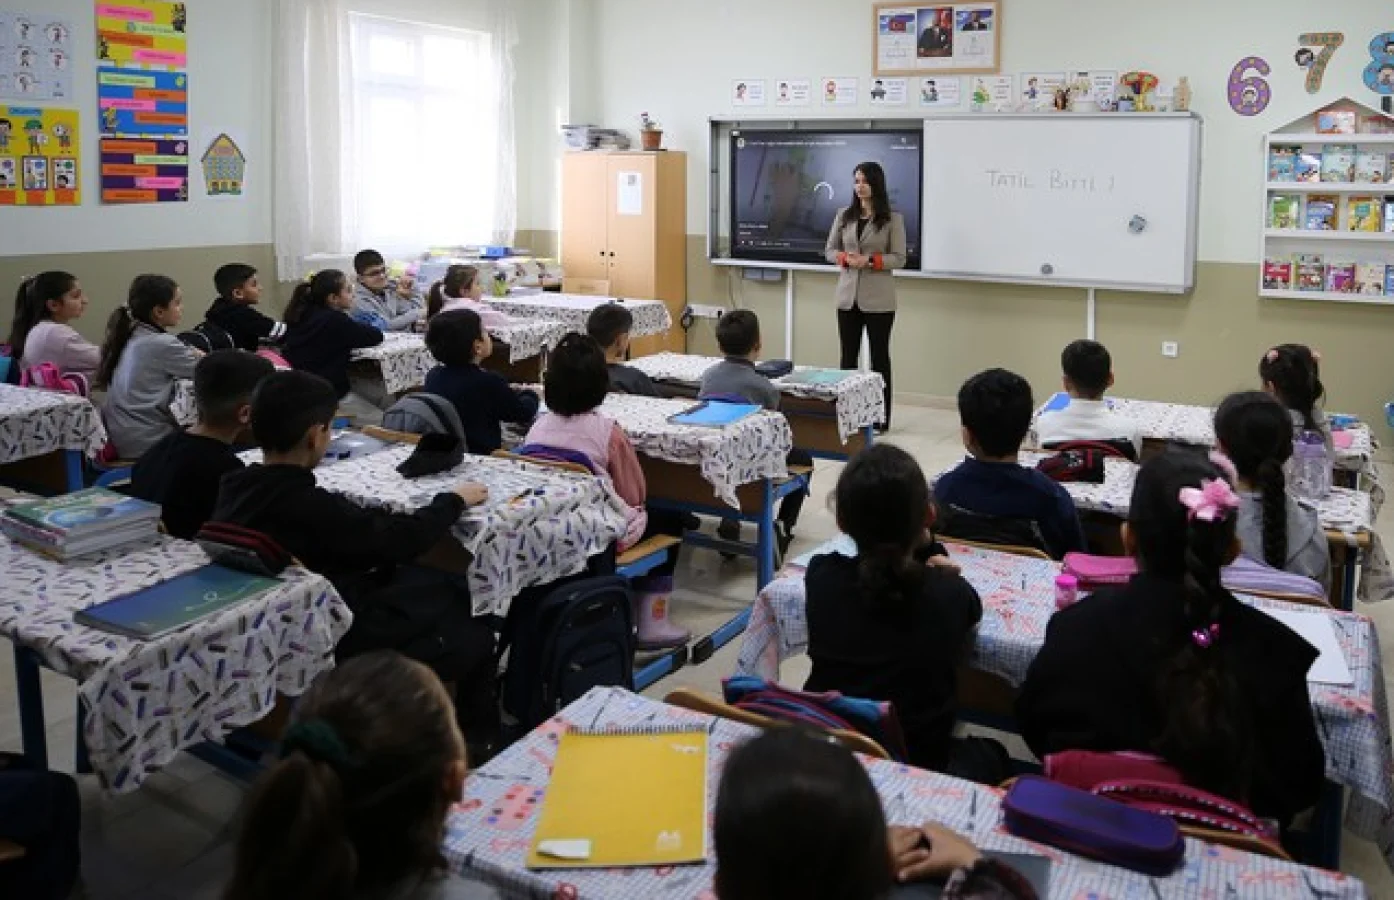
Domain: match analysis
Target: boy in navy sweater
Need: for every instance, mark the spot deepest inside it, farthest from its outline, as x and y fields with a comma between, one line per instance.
x=995, y=408
x=483, y=399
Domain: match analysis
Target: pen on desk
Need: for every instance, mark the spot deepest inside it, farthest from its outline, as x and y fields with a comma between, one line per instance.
x=973, y=814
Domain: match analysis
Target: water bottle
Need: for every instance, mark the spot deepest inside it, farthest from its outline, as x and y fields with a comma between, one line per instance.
x=1310, y=470
x=1066, y=591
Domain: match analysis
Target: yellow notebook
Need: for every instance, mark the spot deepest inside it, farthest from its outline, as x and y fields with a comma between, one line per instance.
x=630, y=797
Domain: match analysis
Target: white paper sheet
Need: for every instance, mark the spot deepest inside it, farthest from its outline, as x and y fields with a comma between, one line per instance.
x=629, y=195
x=1316, y=628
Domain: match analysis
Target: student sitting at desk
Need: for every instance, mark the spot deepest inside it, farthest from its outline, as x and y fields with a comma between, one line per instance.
x=141, y=363
x=45, y=304
x=461, y=289
x=484, y=399
x=364, y=551
x=990, y=496
x=738, y=336
x=1088, y=372
x=1292, y=374
x=356, y=806
x=321, y=338
x=380, y=303
x=1255, y=433
x=1172, y=664
x=235, y=310
x=610, y=324
x=576, y=384
x=798, y=818
x=182, y=472
x=892, y=624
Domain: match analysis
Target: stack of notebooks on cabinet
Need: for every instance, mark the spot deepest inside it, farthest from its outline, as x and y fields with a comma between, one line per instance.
x=80, y=523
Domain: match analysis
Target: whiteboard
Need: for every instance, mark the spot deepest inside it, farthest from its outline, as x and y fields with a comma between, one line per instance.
x=1094, y=201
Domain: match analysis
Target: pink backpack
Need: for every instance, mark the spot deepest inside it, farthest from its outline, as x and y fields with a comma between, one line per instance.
x=49, y=377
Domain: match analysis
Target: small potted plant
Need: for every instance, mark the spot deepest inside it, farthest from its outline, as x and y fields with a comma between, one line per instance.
x=650, y=132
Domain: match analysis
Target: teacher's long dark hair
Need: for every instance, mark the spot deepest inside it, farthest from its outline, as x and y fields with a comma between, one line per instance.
x=880, y=199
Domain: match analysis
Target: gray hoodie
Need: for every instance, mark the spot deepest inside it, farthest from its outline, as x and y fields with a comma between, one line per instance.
x=1308, y=551
x=136, y=409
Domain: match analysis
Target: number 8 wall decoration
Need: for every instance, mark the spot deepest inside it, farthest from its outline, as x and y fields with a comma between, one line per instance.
x=1379, y=74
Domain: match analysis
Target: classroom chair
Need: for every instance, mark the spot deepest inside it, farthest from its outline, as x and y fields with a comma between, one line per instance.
x=969, y=526
x=390, y=436
x=1300, y=599
x=1029, y=552
x=112, y=474
x=687, y=698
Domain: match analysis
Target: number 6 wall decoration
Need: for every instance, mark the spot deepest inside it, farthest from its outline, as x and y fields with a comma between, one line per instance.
x=1379, y=74
x=1249, y=96
x=1328, y=41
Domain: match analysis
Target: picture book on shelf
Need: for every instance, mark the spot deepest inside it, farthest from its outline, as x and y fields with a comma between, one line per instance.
x=1282, y=164
x=1283, y=210
x=1371, y=166
x=1369, y=278
x=1389, y=215
x=1389, y=281
x=1311, y=272
x=1363, y=214
x=1277, y=274
x=1338, y=163
x=1336, y=121
x=1340, y=278
x=1307, y=167
x=1321, y=213
x=1376, y=124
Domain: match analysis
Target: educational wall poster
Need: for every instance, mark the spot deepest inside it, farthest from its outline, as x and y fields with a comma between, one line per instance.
x=144, y=171
x=1038, y=90
x=945, y=38
x=996, y=93
x=890, y=91
x=142, y=33
x=793, y=92
x=224, y=167
x=940, y=93
x=839, y=92
x=39, y=153
x=748, y=92
x=141, y=103
x=36, y=57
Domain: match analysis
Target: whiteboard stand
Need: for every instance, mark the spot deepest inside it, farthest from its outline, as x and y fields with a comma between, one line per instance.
x=1090, y=311
x=789, y=316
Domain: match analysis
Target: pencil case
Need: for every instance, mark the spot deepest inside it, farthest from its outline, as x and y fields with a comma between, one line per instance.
x=1099, y=571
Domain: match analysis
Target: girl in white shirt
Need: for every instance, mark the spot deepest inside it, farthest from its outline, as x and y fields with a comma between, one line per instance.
x=461, y=288
x=44, y=306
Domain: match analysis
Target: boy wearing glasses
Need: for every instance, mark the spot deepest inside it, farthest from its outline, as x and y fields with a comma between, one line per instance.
x=378, y=302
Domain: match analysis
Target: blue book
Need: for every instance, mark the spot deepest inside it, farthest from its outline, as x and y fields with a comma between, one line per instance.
x=170, y=605
x=714, y=414
x=1056, y=403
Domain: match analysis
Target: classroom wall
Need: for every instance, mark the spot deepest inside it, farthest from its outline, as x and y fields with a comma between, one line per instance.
x=681, y=68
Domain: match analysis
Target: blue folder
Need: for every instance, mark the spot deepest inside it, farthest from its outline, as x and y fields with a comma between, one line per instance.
x=715, y=414
x=1057, y=402
x=170, y=605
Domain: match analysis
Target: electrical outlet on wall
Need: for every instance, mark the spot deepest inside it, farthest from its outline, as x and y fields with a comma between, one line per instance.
x=1171, y=349
x=702, y=311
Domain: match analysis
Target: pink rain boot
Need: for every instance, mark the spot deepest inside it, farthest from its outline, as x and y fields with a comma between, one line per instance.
x=656, y=630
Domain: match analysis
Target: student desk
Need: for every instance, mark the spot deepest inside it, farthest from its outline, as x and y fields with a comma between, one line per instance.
x=651, y=317
x=538, y=525
x=830, y=421
x=140, y=703
x=402, y=360
x=45, y=437
x=1018, y=595
x=478, y=842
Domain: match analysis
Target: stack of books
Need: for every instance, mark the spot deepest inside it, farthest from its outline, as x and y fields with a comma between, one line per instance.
x=80, y=523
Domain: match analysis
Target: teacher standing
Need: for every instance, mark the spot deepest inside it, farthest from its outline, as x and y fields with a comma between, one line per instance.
x=867, y=242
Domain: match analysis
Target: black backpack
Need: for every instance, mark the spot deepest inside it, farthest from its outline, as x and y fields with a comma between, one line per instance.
x=208, y=337
x=564, y=640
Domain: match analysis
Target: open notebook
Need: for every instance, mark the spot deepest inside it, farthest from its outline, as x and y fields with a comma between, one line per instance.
x=626, y=797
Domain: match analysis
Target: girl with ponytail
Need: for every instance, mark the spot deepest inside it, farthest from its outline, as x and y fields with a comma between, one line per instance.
x=1292, y=373
x=44, y=305
x=891, y=624
x=356, y=807
x=1255, y=432
x=461, y=288
x=1172, y=664
x=140, y=364
x=321, y=338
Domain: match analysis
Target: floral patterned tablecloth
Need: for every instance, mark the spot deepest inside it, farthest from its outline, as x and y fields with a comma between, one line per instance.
x=749, y=450
x=36, y=422
x=489, y=832
x=538, y=525
x=147, y=700
x=859, y=397
x=650, y=316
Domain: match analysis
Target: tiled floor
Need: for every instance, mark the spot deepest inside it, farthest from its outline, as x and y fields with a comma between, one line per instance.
x=172, y=838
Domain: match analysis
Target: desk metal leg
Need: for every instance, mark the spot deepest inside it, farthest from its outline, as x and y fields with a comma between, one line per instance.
x=870, y=432
x=75, y=470
x=81, y=764
x=764, y=546
x=31, y=707
x=1324, y=842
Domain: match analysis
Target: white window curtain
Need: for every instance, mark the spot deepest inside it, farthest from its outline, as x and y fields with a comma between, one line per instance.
x=392, y=134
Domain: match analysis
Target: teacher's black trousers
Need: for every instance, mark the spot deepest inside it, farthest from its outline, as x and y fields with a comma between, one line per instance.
x=850, y=323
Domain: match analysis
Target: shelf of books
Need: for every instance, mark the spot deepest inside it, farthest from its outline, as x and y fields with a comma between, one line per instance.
x=1329, y=207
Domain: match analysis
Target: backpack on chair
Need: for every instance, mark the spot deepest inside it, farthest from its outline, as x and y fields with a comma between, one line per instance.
x=562, y=640
x=48, y=377
x=207, y=337
x=423, y=413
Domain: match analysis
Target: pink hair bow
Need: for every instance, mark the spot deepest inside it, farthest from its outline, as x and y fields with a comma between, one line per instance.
x=1224, y=464
x=1210, y=501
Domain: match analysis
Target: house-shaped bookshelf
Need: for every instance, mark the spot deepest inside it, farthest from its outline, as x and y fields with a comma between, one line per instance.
x=1328, y=207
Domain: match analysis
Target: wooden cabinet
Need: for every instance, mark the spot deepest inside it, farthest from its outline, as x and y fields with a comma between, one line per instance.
x=624, y=232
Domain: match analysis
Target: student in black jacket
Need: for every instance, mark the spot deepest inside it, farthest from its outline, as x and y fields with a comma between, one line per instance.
x=483, y=399
x=1172, y=664
x=235, y=309
x=365, y=552
x=610, y=324
x=893, y=623
x=320, y=336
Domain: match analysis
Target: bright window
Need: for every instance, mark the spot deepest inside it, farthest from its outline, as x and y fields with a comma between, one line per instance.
x=428, y=142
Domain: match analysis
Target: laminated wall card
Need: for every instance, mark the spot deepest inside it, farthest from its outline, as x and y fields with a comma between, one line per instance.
x=39, y=154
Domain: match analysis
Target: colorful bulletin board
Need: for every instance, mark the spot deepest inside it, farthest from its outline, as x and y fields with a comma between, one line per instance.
x=143, y=33
x=141, y=103
x=36, y=57
x=39, y=153
x=145, y=171
x=946, y=39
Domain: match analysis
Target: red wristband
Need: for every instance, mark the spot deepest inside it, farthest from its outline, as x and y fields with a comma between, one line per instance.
x=876, y=262
x=842, y=259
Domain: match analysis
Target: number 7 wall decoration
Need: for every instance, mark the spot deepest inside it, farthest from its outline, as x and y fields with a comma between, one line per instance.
x=1327, y=42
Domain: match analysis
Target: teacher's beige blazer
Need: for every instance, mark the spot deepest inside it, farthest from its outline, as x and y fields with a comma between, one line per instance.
x=871, y=289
